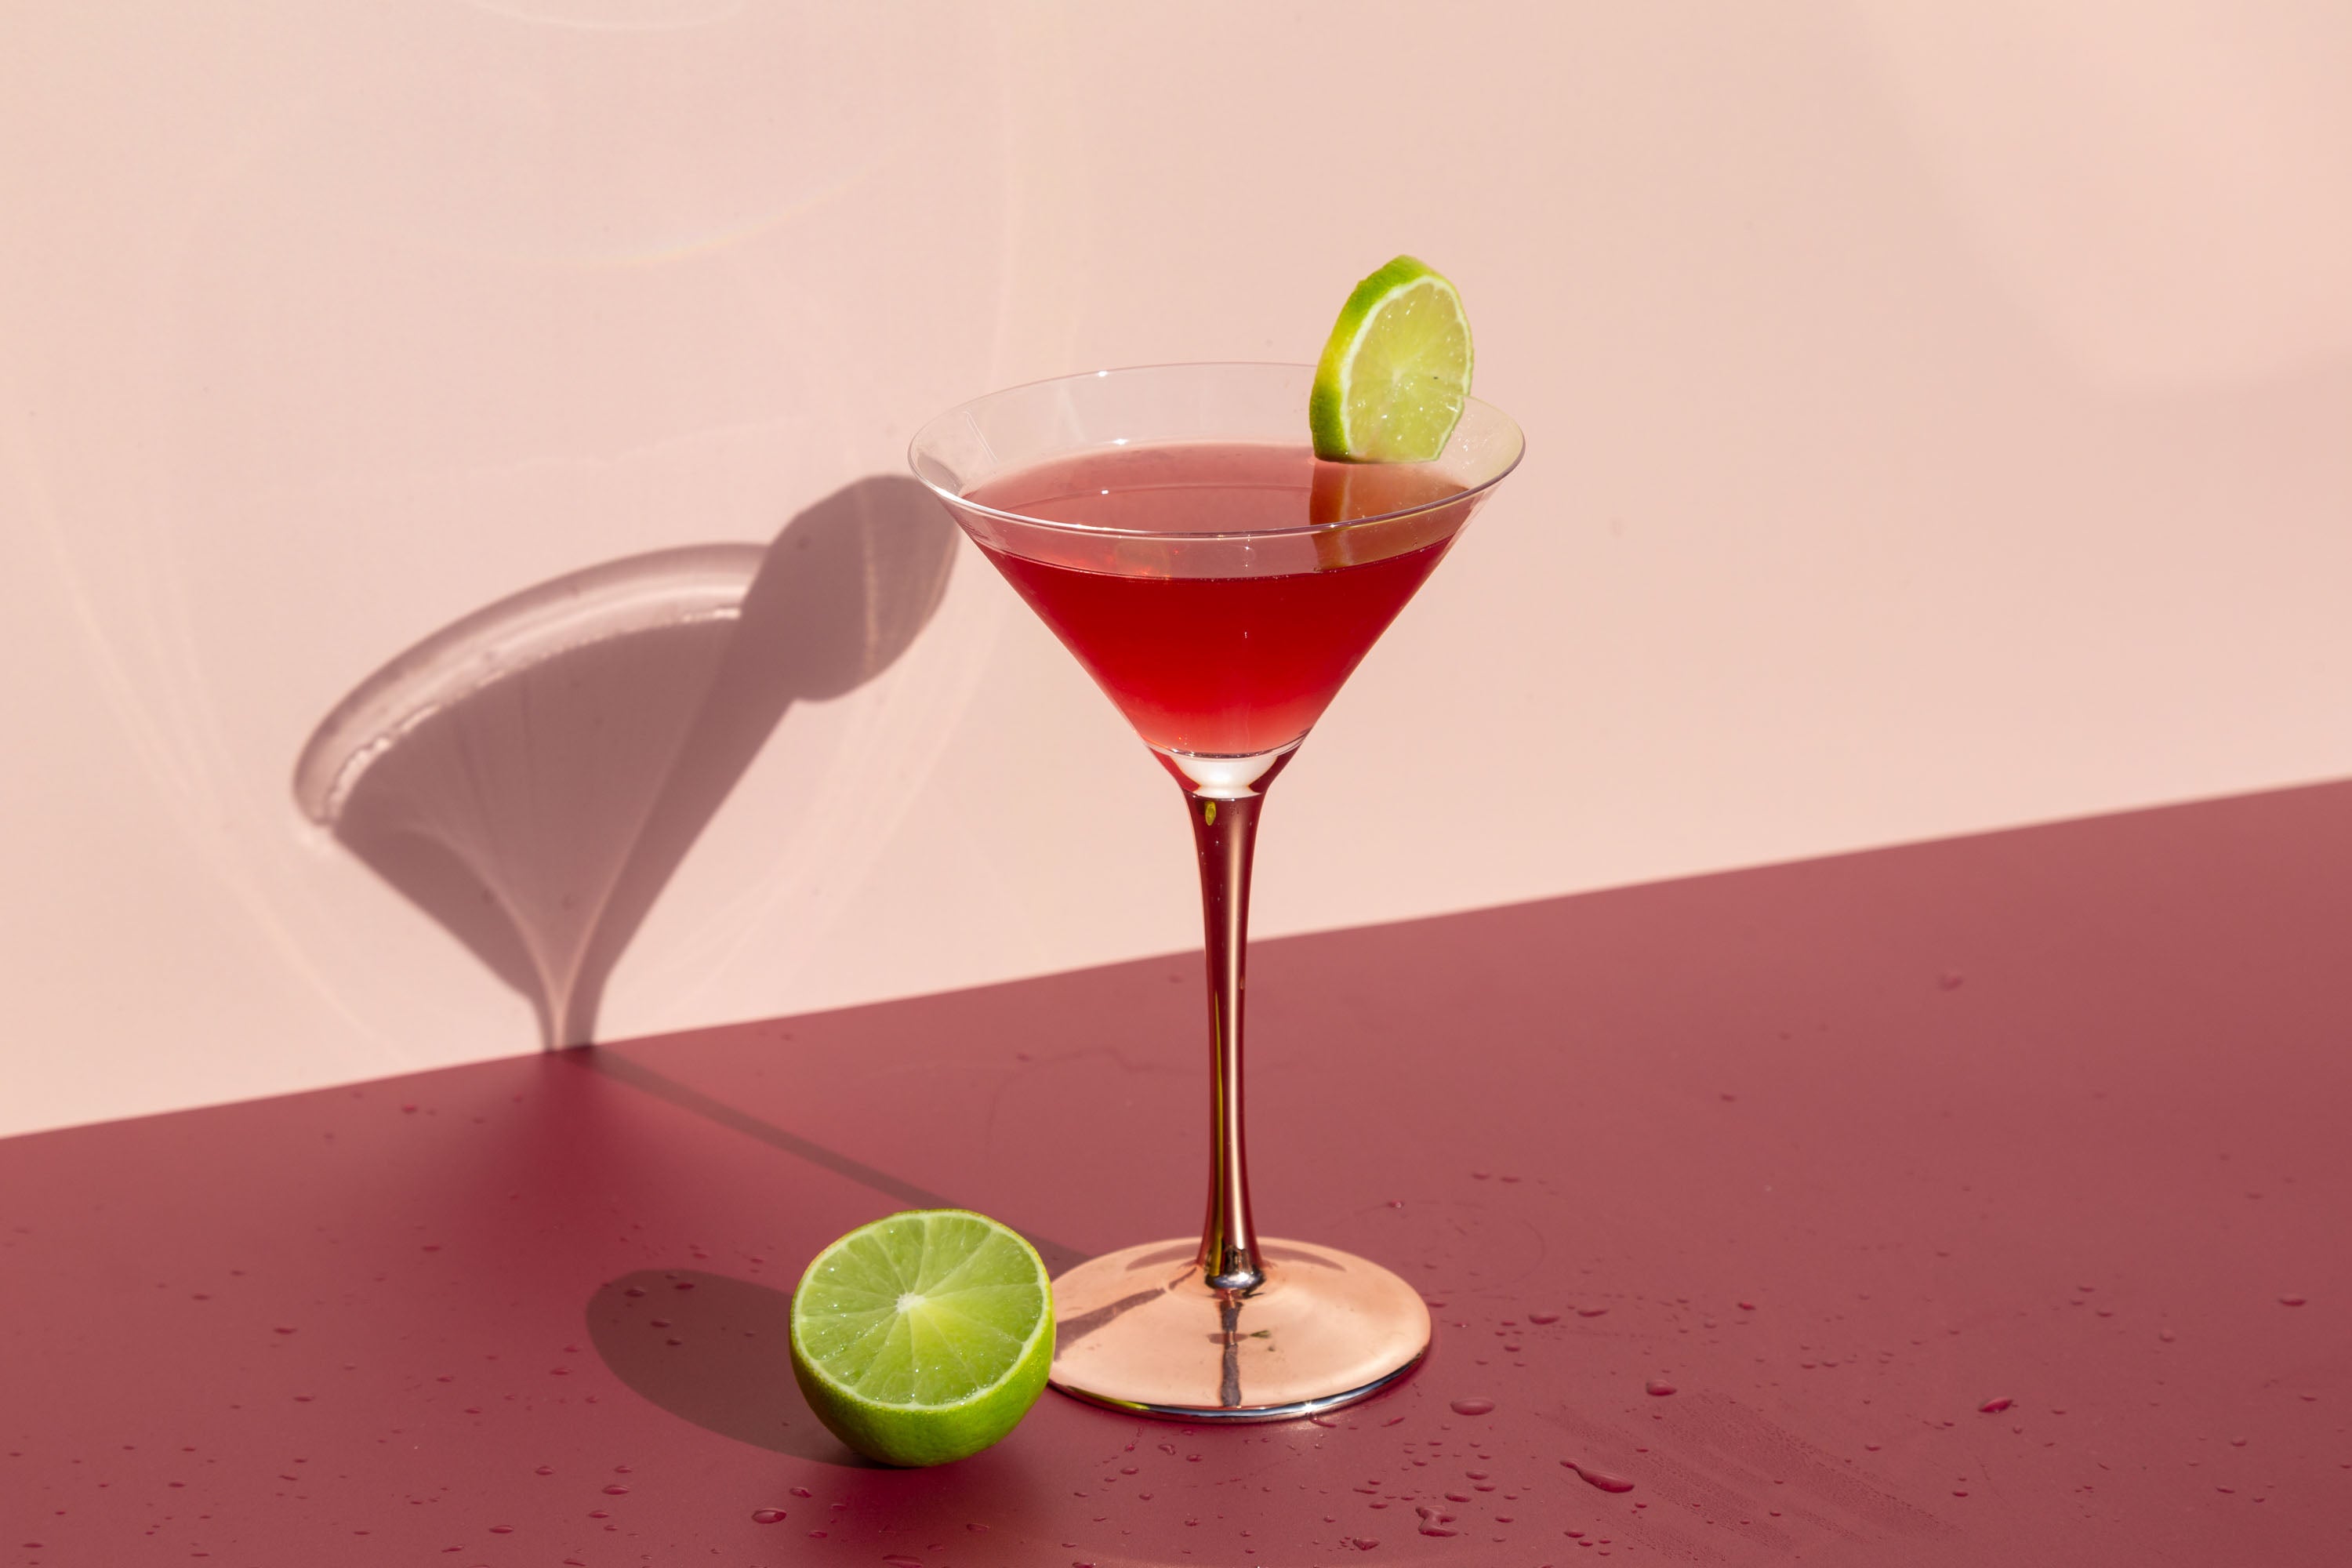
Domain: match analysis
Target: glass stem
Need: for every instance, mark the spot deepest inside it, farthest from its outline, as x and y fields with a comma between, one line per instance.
x=1225, y=832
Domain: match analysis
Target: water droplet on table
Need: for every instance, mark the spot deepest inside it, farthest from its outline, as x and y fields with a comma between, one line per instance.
x=1602, y=1479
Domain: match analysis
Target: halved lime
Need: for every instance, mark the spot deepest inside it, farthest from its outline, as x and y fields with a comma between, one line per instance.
x=924, y=1337
x=1393, y=377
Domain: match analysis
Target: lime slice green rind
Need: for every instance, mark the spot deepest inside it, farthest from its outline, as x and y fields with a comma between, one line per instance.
x=1396, y=370
x=924, y=1337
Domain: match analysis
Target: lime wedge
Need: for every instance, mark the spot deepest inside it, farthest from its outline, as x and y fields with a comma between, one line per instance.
x=924, y=1337
x=1393, y=378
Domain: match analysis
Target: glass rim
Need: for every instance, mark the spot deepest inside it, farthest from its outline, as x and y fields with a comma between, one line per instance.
x=915, y=463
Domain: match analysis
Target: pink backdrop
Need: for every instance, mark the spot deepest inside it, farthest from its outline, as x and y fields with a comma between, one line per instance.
x=1937, y=420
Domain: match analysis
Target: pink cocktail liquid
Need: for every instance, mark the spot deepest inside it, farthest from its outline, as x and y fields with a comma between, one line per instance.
x=1208, y=648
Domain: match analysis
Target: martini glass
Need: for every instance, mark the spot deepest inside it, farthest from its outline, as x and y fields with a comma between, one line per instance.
x=1172, y=527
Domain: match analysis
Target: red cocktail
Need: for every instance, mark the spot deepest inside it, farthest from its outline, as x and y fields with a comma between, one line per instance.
x=1220, y=666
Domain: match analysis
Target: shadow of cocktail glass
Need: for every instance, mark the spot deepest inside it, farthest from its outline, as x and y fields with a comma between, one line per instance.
x=533, y=775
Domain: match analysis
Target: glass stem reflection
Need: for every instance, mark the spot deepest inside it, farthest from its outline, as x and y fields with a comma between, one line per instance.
x=1224, y=832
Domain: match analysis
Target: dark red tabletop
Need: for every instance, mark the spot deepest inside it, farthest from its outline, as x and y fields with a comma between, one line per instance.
x=1983, y=1201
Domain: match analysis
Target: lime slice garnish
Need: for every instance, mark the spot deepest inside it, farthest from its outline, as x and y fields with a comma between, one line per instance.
x=924, y=1337
x=1393, y=378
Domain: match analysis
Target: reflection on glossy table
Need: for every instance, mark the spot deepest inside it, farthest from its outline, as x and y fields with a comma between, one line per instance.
x=1978, y=1201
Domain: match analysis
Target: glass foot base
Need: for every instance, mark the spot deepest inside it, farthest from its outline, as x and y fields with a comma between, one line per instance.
x=1139, y=1331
